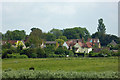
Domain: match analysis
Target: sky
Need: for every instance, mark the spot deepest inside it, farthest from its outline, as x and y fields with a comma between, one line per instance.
x=59, y=15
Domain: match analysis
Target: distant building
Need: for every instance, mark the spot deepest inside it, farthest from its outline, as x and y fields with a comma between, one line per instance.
x=44, y=44
x=94, y=42
x=65, y=44
x=81, y=46
x=14, y=43
x=113, y=43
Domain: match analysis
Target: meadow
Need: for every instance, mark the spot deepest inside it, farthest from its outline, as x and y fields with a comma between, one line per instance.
x=63, y=68
x=64, y=64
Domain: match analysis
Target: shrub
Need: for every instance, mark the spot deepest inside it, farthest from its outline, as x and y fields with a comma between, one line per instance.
x=94, y=55
x=33, y=55
x=41, y=53
x=60, y=50
x=27, y=52
x=105, y=52
x=71, y=54
x=53, y=55
x=16, y=55
x=8, y=51
x=23, y=56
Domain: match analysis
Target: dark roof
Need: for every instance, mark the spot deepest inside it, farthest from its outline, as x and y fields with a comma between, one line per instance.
x=9, y=41
x=113, y=43
x=50, y=42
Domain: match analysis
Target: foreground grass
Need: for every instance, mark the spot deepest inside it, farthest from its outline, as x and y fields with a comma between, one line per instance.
x=63, y=64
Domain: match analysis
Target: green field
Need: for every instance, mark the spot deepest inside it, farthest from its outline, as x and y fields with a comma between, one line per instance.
x=63, y=64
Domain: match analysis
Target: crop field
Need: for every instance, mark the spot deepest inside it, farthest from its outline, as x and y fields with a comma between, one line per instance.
x=63, y=64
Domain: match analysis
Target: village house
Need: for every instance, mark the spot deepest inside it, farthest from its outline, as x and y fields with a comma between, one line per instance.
x=81, y=46
x=113, y=43
x=44, y=44
x=14, y=43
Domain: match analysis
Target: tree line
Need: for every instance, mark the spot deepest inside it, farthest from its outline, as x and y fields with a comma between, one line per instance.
x=37, y=36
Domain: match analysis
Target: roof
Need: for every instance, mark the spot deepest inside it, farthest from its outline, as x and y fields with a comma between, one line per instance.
x=70, y=43
x=73, y=42
x=88, y=44
x=113, y=43
x=94, y=40
x=9, y=41
x=50, y=42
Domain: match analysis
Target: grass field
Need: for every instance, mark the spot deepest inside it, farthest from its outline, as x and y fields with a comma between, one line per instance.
x=64, y=64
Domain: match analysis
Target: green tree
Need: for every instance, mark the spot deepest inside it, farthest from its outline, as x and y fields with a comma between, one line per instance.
x=60, y=41
x=6, y=46
x=101, y=27
x=60, y=50
x=63, y=37
x=50, y=49
x=41, y=53
x=56, y=32
x=14, y=35
x=76, y=33
x=35, y=37
x=50, y=37
x=105, y=39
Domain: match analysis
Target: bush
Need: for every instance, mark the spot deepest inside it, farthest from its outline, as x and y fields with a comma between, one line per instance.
x=94, y=55
x=33, y=55
x=16, y=55
x=41, y=53
x=27, y=52
x=8, y=51
x=60, y=50
x=71, y=54
x=53, y=55
x=105, y=52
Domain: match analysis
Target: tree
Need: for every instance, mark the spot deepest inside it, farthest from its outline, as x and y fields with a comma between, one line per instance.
x=101, y=27
x=50, y=37
x=6, y=46
x=14, y=35
x=56, y=32
x=63, y=37
x=35, y=37
x=49, y=49
x=60, y=41
x=41, y=53
x=60, y=50
x=76, y=33
x=105, y=39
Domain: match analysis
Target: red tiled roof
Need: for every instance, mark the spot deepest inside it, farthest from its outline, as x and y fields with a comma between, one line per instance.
x=9, y=41
x=80, y=43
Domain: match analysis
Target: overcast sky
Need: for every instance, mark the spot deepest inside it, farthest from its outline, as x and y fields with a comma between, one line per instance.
x=60, y=15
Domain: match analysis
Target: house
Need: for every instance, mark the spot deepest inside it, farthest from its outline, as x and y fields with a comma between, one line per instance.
x=65, y=44
x=70, y=44
x=113, y=43
x=20, y=43
x=95, y=42
x=14, y=43
x=44, y=44
x=79, y=45
x=83, y=47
